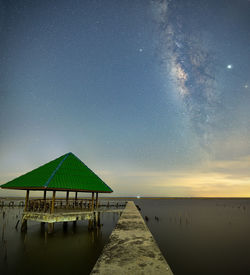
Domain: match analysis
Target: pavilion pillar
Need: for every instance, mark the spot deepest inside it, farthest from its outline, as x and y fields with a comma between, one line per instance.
x=75, y=203
x=44, y=196
x=44, y=199
x=96, y=201
x=27, y=200
x=92, y=205
x=53, y=202
x=67, y=199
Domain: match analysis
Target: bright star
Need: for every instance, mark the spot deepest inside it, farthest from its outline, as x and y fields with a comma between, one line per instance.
x=229, y=66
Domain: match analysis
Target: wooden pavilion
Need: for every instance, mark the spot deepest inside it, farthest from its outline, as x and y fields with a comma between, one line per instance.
x=66, y=173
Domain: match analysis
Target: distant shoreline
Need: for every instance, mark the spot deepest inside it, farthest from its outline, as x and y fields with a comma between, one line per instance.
x=131, y=198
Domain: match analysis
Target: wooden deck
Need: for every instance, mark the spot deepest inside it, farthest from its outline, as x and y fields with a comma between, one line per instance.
x=66, y=216
x=67, y=211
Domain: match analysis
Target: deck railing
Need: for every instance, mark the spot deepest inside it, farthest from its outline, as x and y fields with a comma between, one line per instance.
x=45, y=206
x=42, y=205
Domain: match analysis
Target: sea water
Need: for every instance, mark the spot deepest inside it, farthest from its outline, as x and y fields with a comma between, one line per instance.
x=196, y=236
x=201, y=236
x=69, y=250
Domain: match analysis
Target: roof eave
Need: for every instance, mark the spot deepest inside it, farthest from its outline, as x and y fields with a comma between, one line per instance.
x=55, y=189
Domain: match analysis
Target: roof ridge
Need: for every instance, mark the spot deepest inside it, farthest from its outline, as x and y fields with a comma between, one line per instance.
x=57, y=168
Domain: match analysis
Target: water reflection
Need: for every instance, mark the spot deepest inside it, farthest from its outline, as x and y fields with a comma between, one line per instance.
x=201, y=236
x=197, y=236
x=71, y=249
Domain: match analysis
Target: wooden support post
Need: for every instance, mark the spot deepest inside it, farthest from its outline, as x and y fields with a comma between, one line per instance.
x=90, y=225
x=98, y=219
x=27, y=200
x=51, y=226
x=94, y=219
x=24, y=225
x=42, y=226
x=92, y=205
x=76, y=199
x=44, y=200
x=53, y=202
x=96, y=201
x=65, y=226
x=67, y=199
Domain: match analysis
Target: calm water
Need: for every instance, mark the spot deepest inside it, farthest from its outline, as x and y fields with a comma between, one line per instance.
x=71, y=251
x=201, y=236
x=196, y=236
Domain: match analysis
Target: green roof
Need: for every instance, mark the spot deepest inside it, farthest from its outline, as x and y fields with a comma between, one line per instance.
x=67, y=172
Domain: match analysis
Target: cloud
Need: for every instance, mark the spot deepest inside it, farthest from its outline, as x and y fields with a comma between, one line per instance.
x=211, y=178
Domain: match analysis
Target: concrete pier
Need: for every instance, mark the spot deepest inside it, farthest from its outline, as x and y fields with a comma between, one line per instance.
x=131, y=248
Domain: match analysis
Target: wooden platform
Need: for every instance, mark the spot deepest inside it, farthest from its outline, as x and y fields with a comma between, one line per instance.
x=131, y=248
x=65, y=216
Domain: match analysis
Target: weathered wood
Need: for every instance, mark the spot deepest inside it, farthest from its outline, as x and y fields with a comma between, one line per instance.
x=53, y=202
x=59, y=217
x=92, y=205
x=67, y=199
x=50, y=227
x=27, y=200
x=98, y=219
x=96, y=201
x=90, y=225
x=44, y=199
x=24, y=225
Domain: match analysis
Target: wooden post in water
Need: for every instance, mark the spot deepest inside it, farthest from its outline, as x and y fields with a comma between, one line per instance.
x=98, y=219
x=90, y=225
x=67, y=199
x=53, y=202
x=96, y=201
x=95, y=219
x=24, y=225
x=92, y=206
x=27, y=200
x=50, y=228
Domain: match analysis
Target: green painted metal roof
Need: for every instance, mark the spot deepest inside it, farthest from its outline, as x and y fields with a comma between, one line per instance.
x=64, y=173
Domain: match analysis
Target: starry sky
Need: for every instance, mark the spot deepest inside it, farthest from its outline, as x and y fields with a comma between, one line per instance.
x=153, y=95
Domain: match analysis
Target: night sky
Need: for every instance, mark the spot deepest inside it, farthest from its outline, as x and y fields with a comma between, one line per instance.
x=154, y=96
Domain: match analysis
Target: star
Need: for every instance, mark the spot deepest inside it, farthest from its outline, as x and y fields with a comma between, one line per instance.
x=229, y=66
x=140, y=50
x=246, y=86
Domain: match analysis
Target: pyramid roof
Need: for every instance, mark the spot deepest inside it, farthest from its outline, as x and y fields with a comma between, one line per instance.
x=66, y=173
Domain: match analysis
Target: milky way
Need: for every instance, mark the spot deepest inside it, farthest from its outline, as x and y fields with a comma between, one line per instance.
x=189, y=64
x=154, y=95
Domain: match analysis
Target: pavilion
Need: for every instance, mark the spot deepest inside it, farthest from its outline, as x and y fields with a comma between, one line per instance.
x=66, y=173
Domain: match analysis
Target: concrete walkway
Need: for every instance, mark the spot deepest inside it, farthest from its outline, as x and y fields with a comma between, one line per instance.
x=131, y=248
